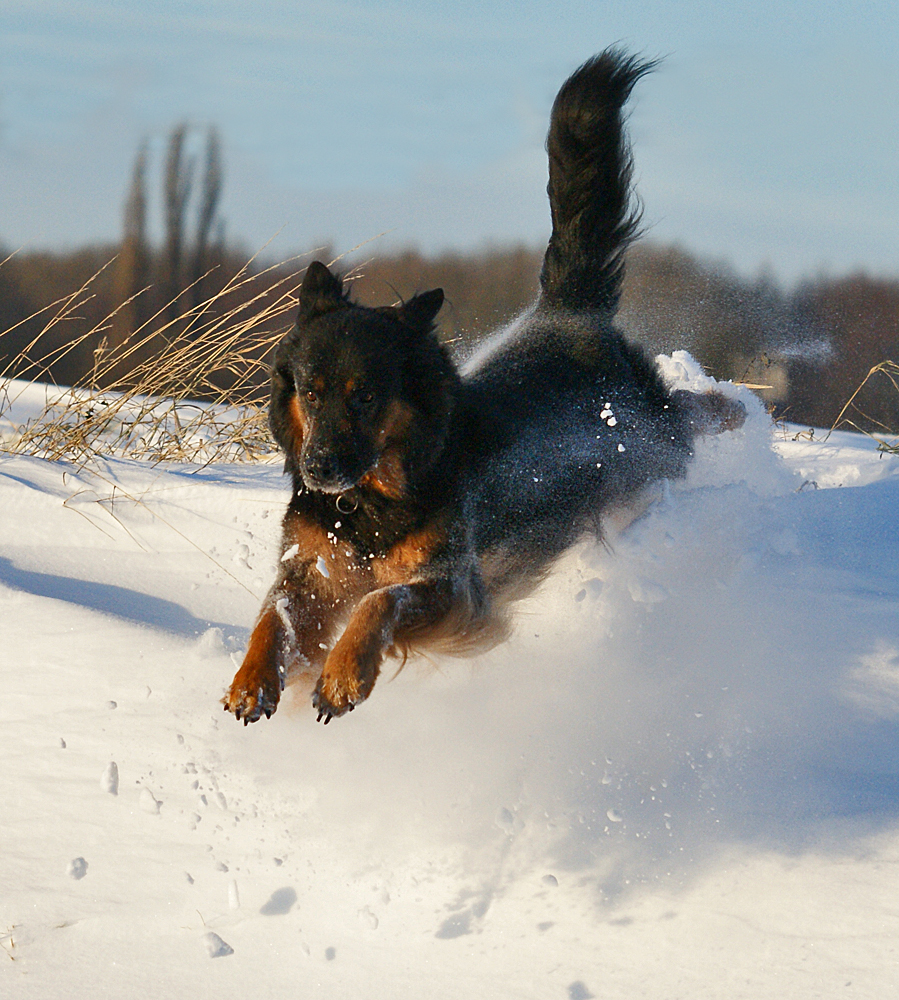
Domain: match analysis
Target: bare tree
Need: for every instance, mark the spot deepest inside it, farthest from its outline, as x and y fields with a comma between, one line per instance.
x=177, y=184
x=206, y=212
x=132, y=272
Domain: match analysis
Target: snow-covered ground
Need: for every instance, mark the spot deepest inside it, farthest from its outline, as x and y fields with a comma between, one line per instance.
x=680, y=778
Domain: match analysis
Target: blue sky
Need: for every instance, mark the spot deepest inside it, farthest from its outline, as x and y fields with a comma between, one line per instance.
x=768, y=137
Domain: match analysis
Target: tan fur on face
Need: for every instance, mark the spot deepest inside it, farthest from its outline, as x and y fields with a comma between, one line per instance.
x=297, y=426
x=397, y=420
x=388, y=476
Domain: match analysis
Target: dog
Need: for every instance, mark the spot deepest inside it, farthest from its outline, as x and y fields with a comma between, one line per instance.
x=426, y=499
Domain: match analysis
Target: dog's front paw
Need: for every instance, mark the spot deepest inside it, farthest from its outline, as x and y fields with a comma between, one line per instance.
x=250, y=698
x=347, y=680
x=330, y=701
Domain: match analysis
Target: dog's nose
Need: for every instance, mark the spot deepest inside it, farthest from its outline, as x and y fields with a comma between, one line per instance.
x=327, y=470
x=321, y=466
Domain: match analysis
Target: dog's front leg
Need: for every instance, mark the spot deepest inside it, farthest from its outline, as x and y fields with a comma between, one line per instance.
x=384, y=619
x=294, y=626
x=257, y=685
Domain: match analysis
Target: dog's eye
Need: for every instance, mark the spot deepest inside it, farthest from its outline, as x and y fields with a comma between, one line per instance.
x=311, y=397
x=361, y=400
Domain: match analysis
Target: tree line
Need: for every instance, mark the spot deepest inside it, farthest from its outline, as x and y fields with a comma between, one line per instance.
x=807, y=348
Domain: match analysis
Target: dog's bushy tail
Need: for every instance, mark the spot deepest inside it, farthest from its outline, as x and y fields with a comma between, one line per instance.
x=593, y=214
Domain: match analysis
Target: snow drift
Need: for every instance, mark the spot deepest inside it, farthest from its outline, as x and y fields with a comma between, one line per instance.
x=719, y=681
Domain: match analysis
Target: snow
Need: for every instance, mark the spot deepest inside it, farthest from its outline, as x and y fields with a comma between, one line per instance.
x=680, y=777
x=109, y=781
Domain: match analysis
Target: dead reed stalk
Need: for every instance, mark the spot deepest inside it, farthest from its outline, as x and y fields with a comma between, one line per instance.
x=890, y=371
x=187, y=389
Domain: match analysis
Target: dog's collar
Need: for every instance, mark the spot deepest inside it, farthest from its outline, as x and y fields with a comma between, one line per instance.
x=347, y=503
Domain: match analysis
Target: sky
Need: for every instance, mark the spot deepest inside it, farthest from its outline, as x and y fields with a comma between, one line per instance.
x=766, y=140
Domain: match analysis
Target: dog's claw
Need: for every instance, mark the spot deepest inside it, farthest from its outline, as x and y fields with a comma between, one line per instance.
x=325, y=712
x=250, y=705
x=333, y=701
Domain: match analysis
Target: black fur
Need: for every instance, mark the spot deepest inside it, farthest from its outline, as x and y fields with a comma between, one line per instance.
x=425, y=499
x=590, y=168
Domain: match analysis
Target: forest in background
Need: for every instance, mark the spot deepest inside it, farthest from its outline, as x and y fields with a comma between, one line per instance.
x=807, y=348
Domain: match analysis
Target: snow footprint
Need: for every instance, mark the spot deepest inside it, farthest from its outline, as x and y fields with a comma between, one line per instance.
x=109, y=780
x=148, y=802
x=215, y=946
x=76, y=868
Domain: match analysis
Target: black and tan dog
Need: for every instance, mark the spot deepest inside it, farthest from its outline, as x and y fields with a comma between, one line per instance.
x=425, y=499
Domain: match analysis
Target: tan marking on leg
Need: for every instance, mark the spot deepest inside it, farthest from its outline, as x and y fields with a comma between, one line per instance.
x=256, y=688
x=320, y=577
x=393, y=620
x=352, y=666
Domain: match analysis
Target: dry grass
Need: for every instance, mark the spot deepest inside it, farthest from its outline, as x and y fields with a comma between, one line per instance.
x=852, y=409
x=140, y=400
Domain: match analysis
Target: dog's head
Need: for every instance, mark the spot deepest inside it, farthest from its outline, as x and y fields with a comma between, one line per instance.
x=360, y=396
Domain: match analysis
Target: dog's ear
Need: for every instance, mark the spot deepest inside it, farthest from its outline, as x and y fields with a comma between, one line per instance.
x=421, y=310
x=320, y=292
